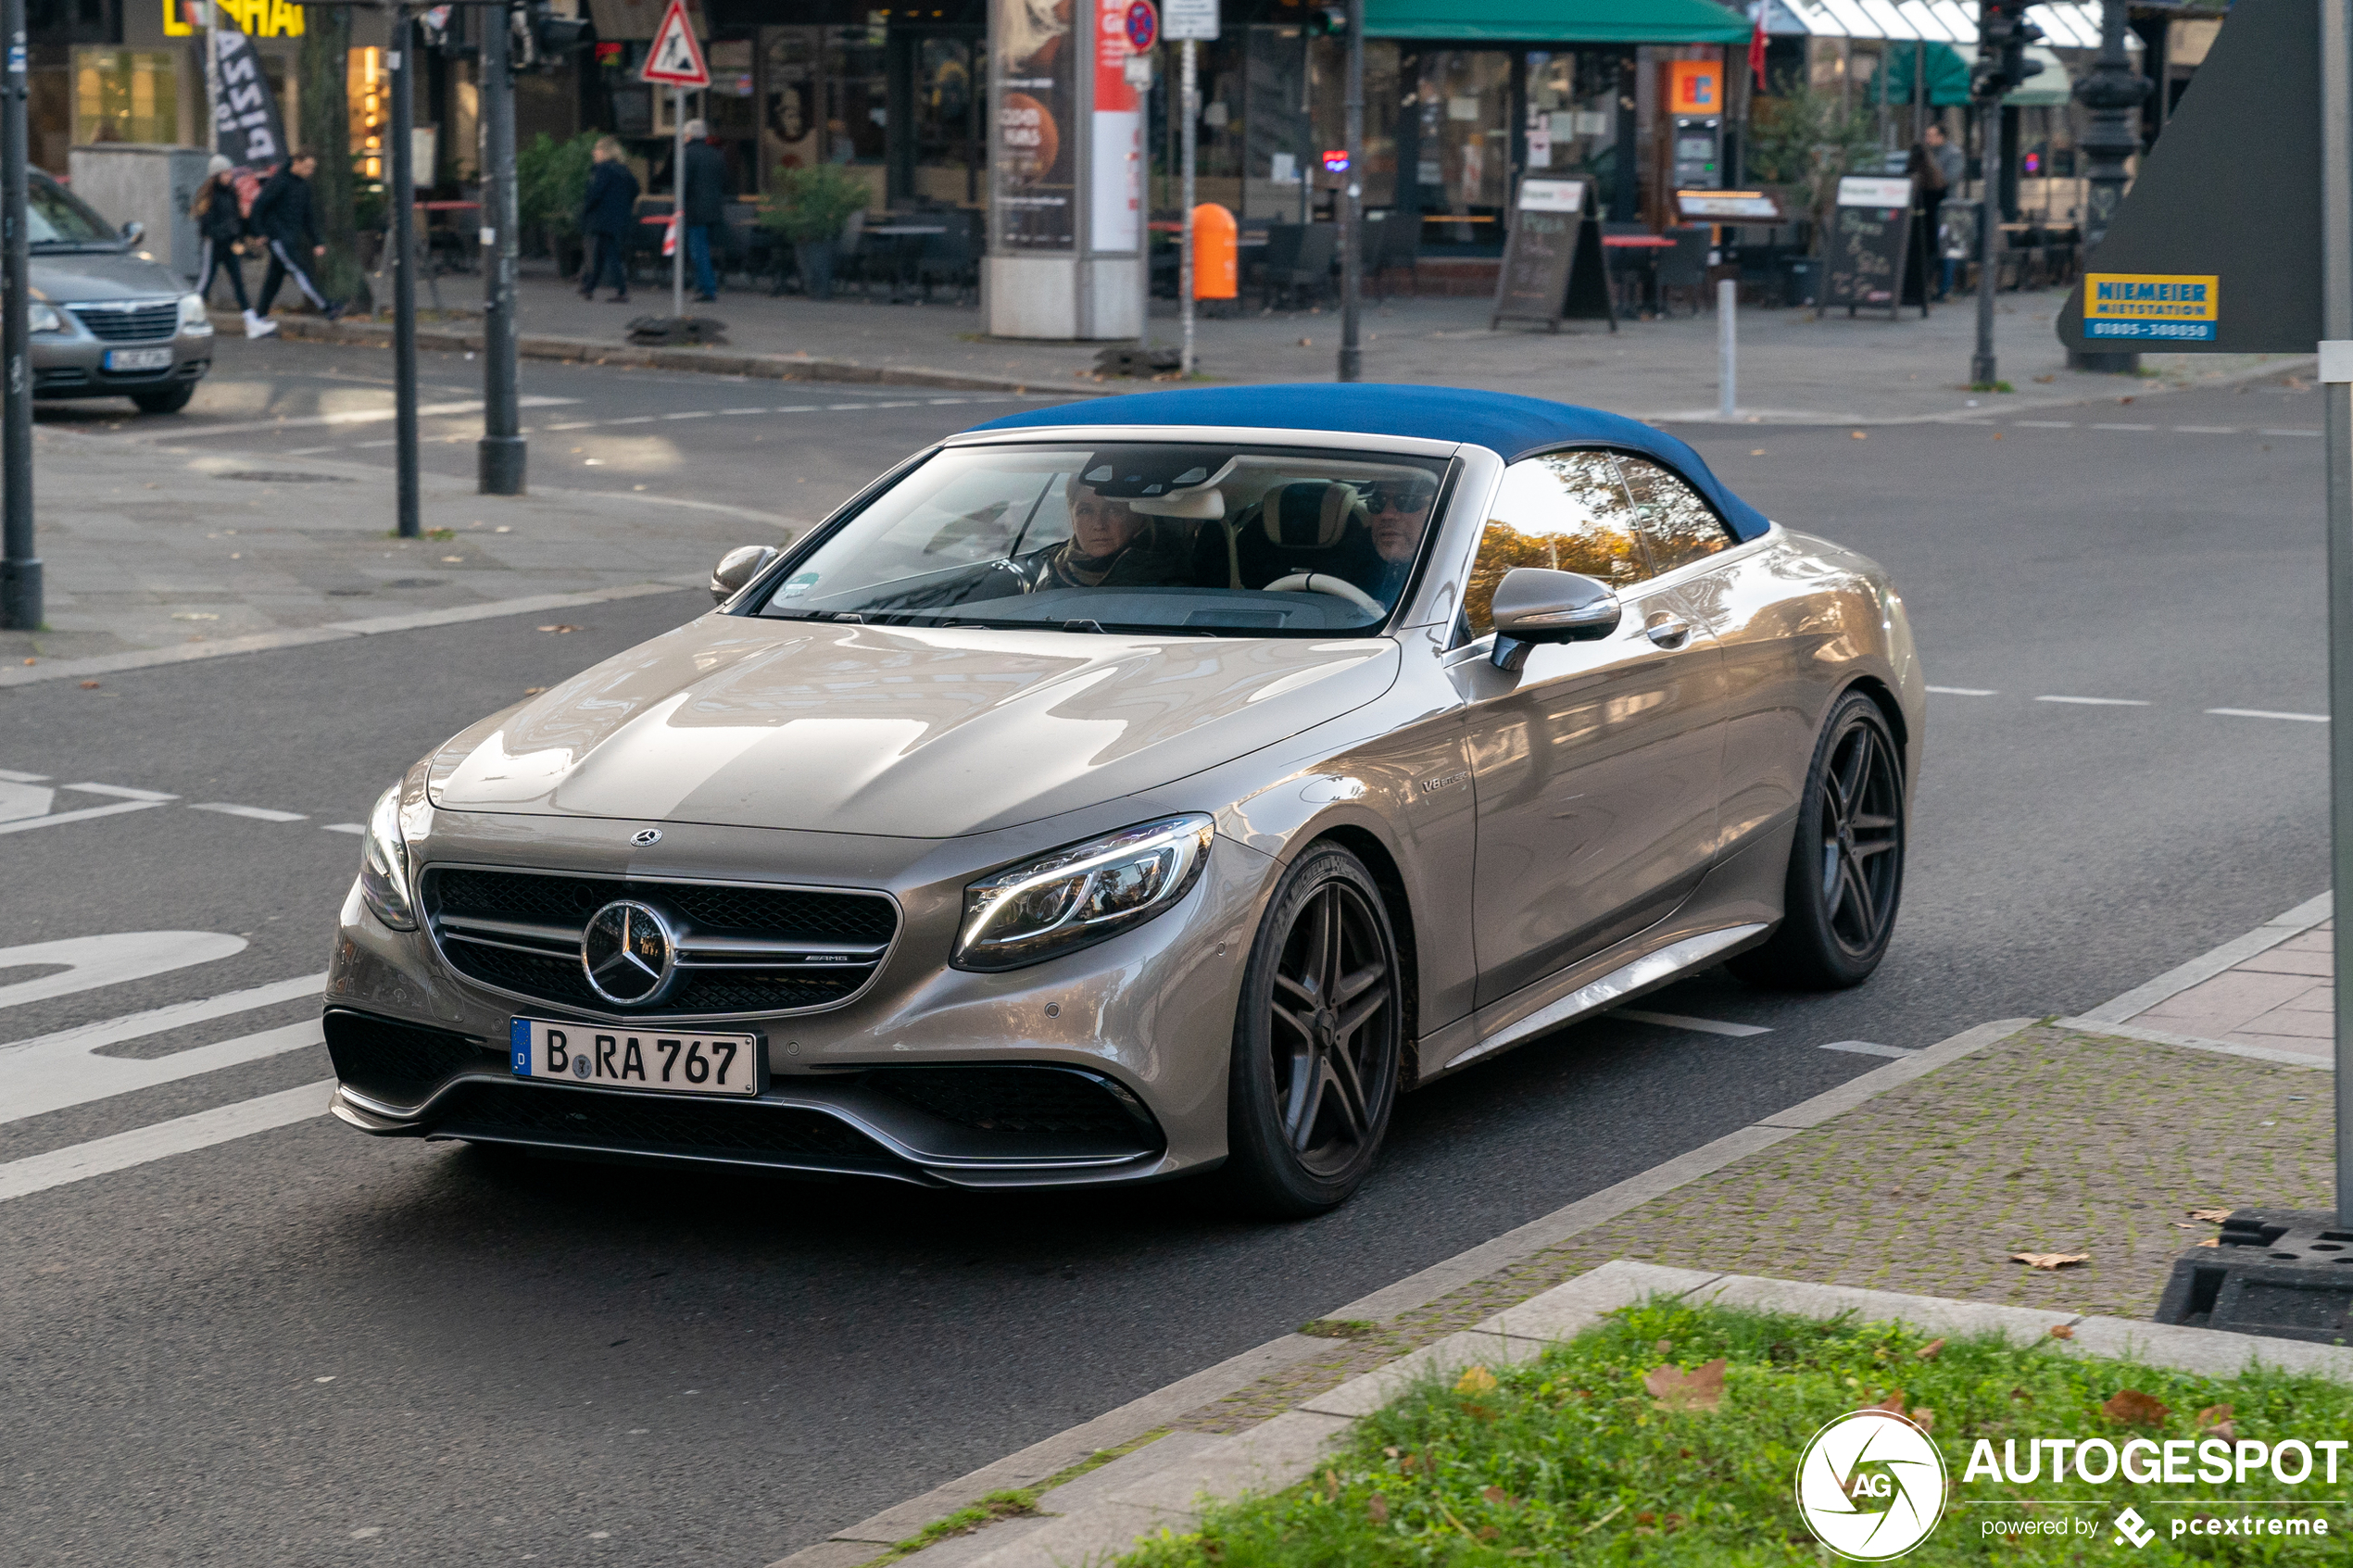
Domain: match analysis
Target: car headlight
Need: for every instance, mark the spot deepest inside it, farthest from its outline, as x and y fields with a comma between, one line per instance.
x=384, y=865
x=1078, y=897
x=194, y=321
x=40, y=318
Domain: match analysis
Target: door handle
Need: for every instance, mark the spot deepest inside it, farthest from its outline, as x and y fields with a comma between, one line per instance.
x=1667, y=632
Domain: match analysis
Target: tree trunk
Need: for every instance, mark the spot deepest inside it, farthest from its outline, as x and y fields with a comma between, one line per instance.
x=326, y=131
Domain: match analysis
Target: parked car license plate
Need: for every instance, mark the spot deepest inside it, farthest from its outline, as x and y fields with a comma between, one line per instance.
x=675, y=1062
x=138, y=359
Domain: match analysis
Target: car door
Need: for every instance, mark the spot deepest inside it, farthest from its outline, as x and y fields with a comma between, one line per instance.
x=1596, y=766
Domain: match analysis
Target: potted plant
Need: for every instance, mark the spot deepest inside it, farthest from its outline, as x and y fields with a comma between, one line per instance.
x=551, y=180
x=810, y=206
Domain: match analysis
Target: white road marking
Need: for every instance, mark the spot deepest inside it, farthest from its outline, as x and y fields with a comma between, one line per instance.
x=14, y=777
x=342, y=827
x=19, y=801
x=2287, y=432
x=19, y=1178
x=2097, y=701
x=258, y=813
x=121, y=792
x=1964, y=691
x=943, y=401
x=1702, y=1025
x=2208, y=430
x=689, y=414
x=42, y=1078
x=730, y=411
x=2043, y=424
x=1866, y=1048
x=838, y=407
x=352, y=417
x=634, y=419
x=2262, y=713
x=56, y=818
x=93, y=961
x=178, y=1015
x=576, y=424
x=2124, y=427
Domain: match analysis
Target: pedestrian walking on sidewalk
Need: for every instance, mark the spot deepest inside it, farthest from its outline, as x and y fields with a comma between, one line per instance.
x=221, y=227
x=608, y=215
x=1933, y=152
x=706, y=205
x=283, y=216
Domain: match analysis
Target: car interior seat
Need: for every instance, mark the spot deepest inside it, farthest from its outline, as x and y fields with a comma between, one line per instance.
x=1311, y=525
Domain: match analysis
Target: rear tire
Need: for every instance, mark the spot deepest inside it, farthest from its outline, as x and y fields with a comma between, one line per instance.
x=1846, y=867
x=1317, y=1041
x=169, y=401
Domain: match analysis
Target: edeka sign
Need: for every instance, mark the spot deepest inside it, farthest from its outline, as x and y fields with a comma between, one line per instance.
x=256, y=19
x=2173, y=307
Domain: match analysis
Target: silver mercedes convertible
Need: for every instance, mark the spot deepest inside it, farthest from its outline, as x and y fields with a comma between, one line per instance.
x=1149, y=786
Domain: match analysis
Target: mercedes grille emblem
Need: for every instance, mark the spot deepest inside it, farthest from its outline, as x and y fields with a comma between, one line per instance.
x=628, y=952
x=645, y=836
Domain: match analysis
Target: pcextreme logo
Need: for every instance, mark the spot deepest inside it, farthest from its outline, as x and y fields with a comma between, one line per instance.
x=1871, y=1486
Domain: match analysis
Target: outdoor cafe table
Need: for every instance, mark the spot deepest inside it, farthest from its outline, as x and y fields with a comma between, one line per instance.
x=1645, y=248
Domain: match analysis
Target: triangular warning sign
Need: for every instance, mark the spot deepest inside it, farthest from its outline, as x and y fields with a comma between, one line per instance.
x=676, y=59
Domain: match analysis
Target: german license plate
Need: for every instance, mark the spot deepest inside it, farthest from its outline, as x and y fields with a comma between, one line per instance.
x=674, y=1062
x=138, y=359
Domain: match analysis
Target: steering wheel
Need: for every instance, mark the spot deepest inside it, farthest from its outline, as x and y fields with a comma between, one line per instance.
x=1324, y=582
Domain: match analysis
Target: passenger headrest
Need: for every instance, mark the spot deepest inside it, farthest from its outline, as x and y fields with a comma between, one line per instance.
x=1312, y=514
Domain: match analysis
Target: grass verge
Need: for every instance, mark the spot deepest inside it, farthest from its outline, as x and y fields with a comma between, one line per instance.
x=1593, y=1454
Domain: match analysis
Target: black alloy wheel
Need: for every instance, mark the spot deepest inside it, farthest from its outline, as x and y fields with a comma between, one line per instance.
x=1846, y=868
x=1318, y=1042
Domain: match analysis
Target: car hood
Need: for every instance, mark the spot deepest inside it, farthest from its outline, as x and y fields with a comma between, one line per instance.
x=918, y=733
x=63, y=277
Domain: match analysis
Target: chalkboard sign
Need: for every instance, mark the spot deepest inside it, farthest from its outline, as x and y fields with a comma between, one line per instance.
x=1553, y=259
x=1873, y=257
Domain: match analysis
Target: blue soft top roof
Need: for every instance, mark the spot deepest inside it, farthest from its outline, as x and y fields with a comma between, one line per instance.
x=1515, y=427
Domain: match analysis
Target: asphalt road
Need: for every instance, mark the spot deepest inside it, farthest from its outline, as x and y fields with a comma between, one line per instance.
x=304, y=1345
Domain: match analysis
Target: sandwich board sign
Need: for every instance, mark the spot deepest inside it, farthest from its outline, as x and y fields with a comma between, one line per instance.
x=676, y=59
x=1552, y=269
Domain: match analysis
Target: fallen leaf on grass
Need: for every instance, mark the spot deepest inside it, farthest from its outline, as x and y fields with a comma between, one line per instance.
x=1928, y=1351
x=2062, y=1331
x=1500, y=1498
x=2133, y=1407
x=1702, y=1388
x=2050, y=1260
x=1376, y=1509
x=2211, y=1241
x=1475, y=1380
x=2212, y=1216
x=2217, y=1420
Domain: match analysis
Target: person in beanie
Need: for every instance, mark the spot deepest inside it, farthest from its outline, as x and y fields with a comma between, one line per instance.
x=607, y=215
x=282, y=215
x=706, y=205
x=221, y=227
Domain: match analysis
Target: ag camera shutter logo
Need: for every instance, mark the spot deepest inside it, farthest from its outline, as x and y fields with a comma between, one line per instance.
x=1871, y=1486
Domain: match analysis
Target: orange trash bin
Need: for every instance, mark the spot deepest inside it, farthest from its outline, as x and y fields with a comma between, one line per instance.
x=1215, y=270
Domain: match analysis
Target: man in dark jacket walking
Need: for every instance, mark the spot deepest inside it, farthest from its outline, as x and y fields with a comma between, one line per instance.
x=606, y=217
x=282, y=215
x=706, y=205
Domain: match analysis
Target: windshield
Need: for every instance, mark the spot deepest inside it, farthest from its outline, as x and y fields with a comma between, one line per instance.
x=57, y=217
x=1130, y=537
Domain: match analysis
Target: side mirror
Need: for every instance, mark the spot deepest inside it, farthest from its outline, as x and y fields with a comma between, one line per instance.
x=133, y=232
x=1534, y=605
x=738, y=567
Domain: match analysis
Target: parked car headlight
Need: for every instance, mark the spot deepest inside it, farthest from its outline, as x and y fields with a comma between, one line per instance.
x=384, y=865
x=1078, y=897
x=194, y=320
x=40, y=318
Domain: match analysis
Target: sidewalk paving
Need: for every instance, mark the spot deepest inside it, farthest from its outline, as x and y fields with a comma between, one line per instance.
x=1795, y=365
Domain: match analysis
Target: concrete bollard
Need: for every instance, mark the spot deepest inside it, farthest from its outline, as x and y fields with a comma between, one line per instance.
x=1728, y=299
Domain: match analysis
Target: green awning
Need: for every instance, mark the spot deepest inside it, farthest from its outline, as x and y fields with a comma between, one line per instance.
x=1557, y=21
x=1947, y=72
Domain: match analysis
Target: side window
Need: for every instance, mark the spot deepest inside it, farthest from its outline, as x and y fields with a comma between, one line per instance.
x=1565, y=510
x=1677, y=523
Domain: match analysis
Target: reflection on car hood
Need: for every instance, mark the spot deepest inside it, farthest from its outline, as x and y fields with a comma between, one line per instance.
x=64, y=276
x=922, y=732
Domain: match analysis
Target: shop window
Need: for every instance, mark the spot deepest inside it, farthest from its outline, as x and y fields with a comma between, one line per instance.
x=1572, y=118
x=1461, y=142
x=1276, y=128
x=859, y=126
x=791, y=111
x=946, y=109
x=125, y=96
x=365, y=89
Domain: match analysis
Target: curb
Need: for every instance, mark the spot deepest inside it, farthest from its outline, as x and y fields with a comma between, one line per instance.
x=594, y=351
x=2206, y=966
x=868, y=1539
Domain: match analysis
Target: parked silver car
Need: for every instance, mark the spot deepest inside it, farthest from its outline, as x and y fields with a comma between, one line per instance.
x=106, y=319
x=1140, y=786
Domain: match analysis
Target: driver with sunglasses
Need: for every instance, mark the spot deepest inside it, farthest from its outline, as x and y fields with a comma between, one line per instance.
x=1397, y=511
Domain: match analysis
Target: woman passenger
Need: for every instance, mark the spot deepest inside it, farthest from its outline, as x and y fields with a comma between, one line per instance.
x=1110, y=546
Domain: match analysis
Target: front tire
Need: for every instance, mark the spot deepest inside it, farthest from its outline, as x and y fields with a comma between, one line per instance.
x=169, y=401
x=1318, y=1042
x=1846, y=868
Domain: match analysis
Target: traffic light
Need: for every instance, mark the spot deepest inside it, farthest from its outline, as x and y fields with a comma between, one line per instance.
x=543, y=39
x=1327, y=21
x=2003, y=33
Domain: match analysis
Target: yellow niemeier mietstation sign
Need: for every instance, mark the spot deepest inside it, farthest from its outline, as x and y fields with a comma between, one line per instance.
x=2182, y=306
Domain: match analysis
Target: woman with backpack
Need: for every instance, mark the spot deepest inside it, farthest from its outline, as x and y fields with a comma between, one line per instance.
x=220, y=222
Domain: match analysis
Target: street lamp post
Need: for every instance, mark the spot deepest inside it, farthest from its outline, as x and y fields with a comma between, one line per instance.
x=20, y=607
x=2112, y=92
x=501, y=449
x=1352, y=231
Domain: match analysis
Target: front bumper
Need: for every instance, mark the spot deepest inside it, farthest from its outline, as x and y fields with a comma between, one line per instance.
x=74, y=366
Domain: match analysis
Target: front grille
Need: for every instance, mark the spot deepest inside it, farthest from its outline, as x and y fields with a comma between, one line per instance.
x=398, y=1063
x=1048, y=1101
x=644, y=1124
x=741, y=949
x=139, y=323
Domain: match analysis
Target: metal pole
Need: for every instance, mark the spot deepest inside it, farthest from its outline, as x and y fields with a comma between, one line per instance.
x=1982, y=370
x=21, y=607
x=1728, y=347
x=1351, y=208
x=1190, y=107
x=401, y=60
x=500, y=465
x=1144, y=218
x=2336, y=368
x=2111, y=91
x=678, y=208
